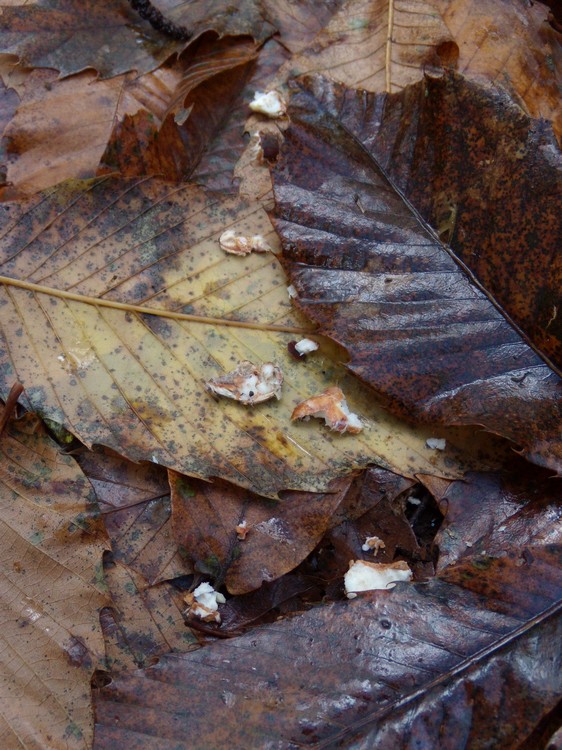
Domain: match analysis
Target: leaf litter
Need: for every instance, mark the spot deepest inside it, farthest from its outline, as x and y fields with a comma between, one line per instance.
x=217, y=523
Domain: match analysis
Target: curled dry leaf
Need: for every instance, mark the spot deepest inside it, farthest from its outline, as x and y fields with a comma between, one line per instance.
x=239, y=244
x=330, y=406
x=249, y=384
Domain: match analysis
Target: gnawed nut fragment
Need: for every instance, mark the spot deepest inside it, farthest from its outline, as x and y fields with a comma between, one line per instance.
x=240, y=244
x=204, y=602
x=249, y=384
x=436, y=444
x=242, y=530
x=332, y=407
x=368, y=576
x=374, y=544
x=270, y=103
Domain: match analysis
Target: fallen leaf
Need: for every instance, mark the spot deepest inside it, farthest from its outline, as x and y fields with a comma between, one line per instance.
x=174, y=133
x=132, y=377
x=376, y=279
x=385, y=45
x=74, y=35
x=9, y=101
x=143, y=622
x=382, y=671
x=134, y=501
x=497, y=511
x=297, y=23
x=281, y=535
x=52, y=591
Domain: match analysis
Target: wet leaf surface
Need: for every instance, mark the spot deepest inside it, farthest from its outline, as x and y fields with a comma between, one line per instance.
x=74, y=35
x=135, y=504
x=9, y=101
x=379, y=45
x=376, y=279
x=380, y=669
x=52, y=591
x=135, y=381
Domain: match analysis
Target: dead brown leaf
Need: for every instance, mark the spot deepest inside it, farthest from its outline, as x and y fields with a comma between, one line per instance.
x=416, y=324
x=74, y=35
x=134, y=502
x=52, y=591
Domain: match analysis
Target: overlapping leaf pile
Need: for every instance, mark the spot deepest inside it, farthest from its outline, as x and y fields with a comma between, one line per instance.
x=414, y=188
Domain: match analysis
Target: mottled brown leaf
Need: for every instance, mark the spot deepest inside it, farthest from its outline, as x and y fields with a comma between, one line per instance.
x=134, y=502
x=377, y=279
x=172, y=135
x=280, y=534
x=436, y=663
x=384, y=45
x=9, y=101
x=143, y=621
x=225, y=17
x=297, y=23
x=74, y=35
x=51, y=589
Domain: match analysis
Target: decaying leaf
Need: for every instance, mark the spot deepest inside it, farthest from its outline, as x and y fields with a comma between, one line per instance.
x=134, y=501
x=376, y=278
x=133, y=378
x=378, y=671
x=330, y=406
x=143, y=622
x=74, y=35
x=385, y=45
x=52, y=591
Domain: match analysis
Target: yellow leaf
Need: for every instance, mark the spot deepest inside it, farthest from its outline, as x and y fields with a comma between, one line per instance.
x=129, y=306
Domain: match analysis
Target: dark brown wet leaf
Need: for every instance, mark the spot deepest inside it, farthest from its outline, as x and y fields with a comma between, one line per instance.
x=74, y=35
x=279, y=534
x=134, y=502
x=171, y=138
x=377, y=280
x=381, y=671
x=225, y=17
x=9, y=101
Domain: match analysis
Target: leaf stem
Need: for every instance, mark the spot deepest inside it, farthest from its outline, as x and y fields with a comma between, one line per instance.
x=170, y=314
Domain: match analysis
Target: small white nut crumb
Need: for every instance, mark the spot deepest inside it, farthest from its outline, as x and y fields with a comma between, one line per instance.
x=204, y=602
x=240, y=244
x=242, y=530
x=414, y=500
x=305, y=346
x=437, y=444
x=368, y=576
x=374, y=544
x=270, y=103
x=292, y=292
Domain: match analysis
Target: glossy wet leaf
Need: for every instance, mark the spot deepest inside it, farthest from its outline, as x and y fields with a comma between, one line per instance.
x=135, y=381
x=134, y=501
x=74, y=35
x=52, y=591
x=382, y=670
x=377, y=279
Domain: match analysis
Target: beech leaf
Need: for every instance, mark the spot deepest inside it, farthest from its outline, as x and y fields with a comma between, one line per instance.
x=118, y=306
x=383, y=670
x=52, y=591
x=418, y=326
